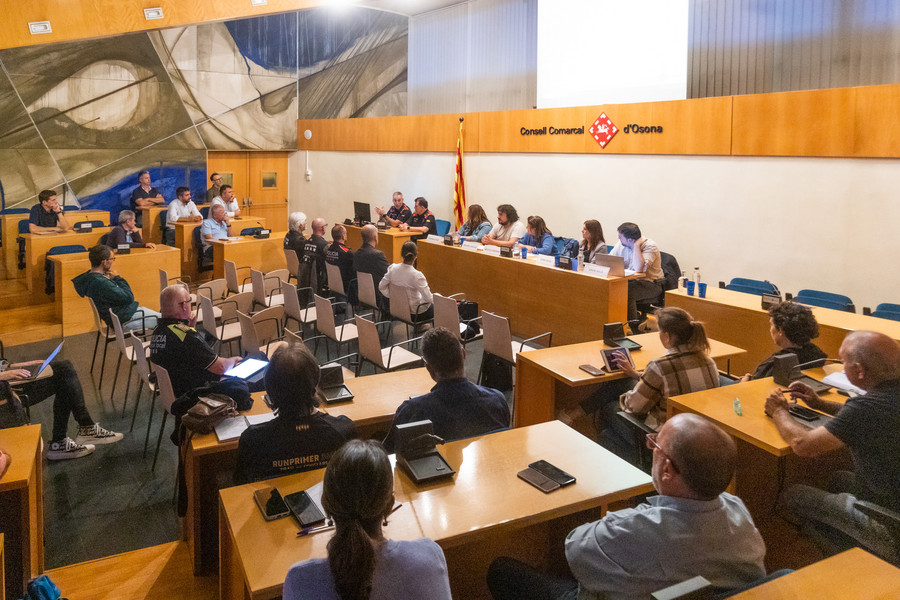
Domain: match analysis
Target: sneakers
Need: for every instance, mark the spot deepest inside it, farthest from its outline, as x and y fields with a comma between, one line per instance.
x=68, y=448
x=96, y=435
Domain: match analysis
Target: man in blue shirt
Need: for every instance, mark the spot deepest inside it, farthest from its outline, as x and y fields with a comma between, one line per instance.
x=214, y=228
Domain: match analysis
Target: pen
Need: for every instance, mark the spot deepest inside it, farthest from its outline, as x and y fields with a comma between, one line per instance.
x=312, y=530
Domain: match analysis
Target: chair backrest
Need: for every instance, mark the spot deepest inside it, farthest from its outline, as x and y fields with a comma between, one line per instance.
x=292, y=261
x=446, y=314
x=249, y=339
x=66, y=249
x=239, y=302
x=292, y=306
x=293, y=339
x=214, y=290
x=98, y=322
x=886, y=310
x=366, y=289
x=15, y=211
x=163, y=280
x=442, y=227
x=399, y=303
x=335, y=282
x=104, y=239
x=268, y=324
x=207, y=316
x=751, y=286
x=325, y=317
x=257, y=280
x=671, y=271
x=164, y=385
x=198, y=249
x=369, y=343
x=24, y=226
x=204, y=211
x=117, y=327
x=231, y=278
x=92, y=222
x=282, y=274
x=497, y=337
x=140, y=358
x=825, y=300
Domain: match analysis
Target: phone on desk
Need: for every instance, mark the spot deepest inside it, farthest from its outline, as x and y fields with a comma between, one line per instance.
x=271, y=504
x=591, y=369
x=304, y=509
x=538, y=480
x=552, y=472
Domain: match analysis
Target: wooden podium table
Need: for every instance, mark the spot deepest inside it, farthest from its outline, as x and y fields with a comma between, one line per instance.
x=184, y=240
x=534, y=298
x=36, y=247
x=483, y=512
x=151, y=223
x=10, y=224
x=376, y=398
x=738, y=318
x=390, y=241
x=22, y=508
x=263, y=255
x=137, y=267
x=549, y=379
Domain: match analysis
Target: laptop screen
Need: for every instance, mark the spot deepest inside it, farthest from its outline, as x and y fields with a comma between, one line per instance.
x=246, y=368
x=50, y=358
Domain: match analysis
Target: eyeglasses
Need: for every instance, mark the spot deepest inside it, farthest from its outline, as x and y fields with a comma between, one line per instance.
x=652, y=444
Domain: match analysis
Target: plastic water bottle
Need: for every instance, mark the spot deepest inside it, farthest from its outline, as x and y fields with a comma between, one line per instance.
x=580, y=258
x=684, y=279
x=696, y=274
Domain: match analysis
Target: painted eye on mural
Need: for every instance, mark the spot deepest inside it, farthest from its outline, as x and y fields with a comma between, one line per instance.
x=105, y=95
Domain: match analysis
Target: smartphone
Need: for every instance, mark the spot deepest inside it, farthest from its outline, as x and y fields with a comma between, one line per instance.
x=552, y=472
x=271, y=504
x=538, y=480
x=304, y=509
x=801, y=412
x=591, y=369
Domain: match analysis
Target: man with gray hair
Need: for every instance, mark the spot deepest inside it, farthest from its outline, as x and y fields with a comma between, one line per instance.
x=294, y=240
x=127, y=232
x=869, y=425
x=216, y=227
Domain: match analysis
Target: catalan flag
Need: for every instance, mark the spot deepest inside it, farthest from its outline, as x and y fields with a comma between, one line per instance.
x=459, y=188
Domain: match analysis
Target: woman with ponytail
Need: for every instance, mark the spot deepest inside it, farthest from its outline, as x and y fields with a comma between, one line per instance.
x=358, y=495
x=406, y=275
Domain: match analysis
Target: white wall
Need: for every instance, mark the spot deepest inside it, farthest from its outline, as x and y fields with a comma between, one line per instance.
x=827, y=224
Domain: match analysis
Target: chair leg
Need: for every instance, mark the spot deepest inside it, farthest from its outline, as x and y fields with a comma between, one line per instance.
x=137, y=402
x=481, y=368
x=103, y=365
x=150, y=422
x=96, y=346
x=127, y=387
x=159, y=439
x=112, y=394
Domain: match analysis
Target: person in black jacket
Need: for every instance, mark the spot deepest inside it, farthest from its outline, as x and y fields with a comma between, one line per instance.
x=340, y=255
x=369, y=259
x=792, y=327
x=294, y=240
x=127, y=232
x=314, y=251
x=299, y=438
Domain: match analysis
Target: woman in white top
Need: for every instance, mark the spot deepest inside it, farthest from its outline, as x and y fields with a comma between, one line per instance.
x=405, y=275
x=226, y=198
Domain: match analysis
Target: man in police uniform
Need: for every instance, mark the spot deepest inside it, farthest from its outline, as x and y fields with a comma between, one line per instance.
x=182, y=350
x=399, y=212
x=315, y=251
x=341, y=256
x=422, y=221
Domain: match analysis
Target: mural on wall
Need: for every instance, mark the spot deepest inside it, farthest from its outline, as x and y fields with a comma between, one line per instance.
x=85, y=117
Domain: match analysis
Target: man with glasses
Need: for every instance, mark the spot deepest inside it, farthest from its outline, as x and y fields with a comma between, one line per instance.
x=693, y=527
x=213, y=190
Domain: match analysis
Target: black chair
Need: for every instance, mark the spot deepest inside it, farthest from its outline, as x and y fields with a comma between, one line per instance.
x=890, y=520
x=23, y=228
x=204, y=211
x=203, y=262
x=643, y=456
x=49, y=271
x=669, y=281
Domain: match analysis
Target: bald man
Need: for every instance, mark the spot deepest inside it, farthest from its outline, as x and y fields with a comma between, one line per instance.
x=869, y=425
x=315, y=250
x=180, y=349
x=369, y=259
x=692, y=528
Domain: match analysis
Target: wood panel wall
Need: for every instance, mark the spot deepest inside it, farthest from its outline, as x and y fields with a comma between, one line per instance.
x=842, y=122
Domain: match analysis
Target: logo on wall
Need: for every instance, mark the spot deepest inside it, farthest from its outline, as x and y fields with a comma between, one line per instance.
x=603, y=130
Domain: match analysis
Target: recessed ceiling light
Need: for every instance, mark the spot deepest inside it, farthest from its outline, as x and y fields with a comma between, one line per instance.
x=258, y=2
x=153, y=13
x=37, y=27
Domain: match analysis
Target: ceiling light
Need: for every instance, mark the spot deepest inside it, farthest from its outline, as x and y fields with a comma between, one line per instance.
x=37, y=27
x=153, y=13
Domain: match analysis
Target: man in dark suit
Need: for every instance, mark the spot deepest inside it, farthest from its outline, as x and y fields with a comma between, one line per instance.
x=369, y=259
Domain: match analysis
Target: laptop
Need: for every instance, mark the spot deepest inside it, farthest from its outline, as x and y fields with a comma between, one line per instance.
x=36, y=370
x=616, y=264
x=614, y=335
x=249, y=369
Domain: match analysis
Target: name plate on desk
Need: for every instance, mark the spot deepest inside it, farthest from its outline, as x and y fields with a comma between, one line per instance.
x=124, y=249
x=467, y=245
x=596, y=270
x=492, y=250
x=506, y=251
x=547, y=261
x=435, y=239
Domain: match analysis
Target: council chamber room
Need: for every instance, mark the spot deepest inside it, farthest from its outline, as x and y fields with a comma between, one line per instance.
x=476, y=299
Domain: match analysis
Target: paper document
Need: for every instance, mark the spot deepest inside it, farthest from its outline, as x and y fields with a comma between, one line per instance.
x=839, y=380
x=231, y=428
x=257, y=419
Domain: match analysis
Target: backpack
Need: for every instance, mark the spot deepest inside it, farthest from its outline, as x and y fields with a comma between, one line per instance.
x=569, y=247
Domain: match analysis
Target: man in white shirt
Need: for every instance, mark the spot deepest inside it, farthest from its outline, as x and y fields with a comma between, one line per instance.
x=226, y=198
x=182, y=209
x=508, y=229
x=641, y=256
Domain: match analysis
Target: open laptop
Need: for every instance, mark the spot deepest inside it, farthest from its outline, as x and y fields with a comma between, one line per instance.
x=616, y=264
x=614, y=335
x=36, y=370
x=250, y=370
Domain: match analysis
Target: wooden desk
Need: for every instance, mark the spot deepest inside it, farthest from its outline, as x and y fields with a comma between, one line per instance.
x=36, y=247
x=536, y=299
x=549, y=379
x=10, y=224
x=22, y=508
x=136, y=267
x=738, y=318
x=372, y=411
x=390, y=241
x=852, y=574
x=485, y=510
x=763, y=456
x=184, y=239
x=151, y=223
x=263, y=255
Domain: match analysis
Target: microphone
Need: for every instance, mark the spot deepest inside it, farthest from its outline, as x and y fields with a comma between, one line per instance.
x=817, y=364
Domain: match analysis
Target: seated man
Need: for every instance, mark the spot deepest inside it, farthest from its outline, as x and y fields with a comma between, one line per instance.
x=216, y=227
x=340, y=255
x=508, y=229
x=641, y=256
x=422, y=221
x=213, y=190
x=369, y=259
x=110, y=291
x=692, y=528
x=144, y=196
x=227, y=199
x=182, y=210
x=295, y=240
x=314, y=251
x=68, y=399
x=299, y=438
x=457, y=407
x=182, y=350
x=869, y=426
x=127, y=232
x=398, y=214
x=47, y=215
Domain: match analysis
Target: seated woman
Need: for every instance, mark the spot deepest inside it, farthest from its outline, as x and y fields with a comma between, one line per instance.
x=476, y=225
x=593, y=243
x=538, y=238
x=792, y=327
x=358, y=496
x=299, y=438
x=407, y=276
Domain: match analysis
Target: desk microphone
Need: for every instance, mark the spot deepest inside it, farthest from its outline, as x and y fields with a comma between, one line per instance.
x=817, y=364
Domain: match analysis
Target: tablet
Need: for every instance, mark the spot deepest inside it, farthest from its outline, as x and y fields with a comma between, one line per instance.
x=609, y=355
x=246, y=368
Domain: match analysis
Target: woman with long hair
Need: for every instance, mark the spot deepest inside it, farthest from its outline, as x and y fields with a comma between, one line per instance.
x=793, y=327
x=358, y=496
x=476, y=225
x=538, y=239
x=406, y=275
x=593, y=243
